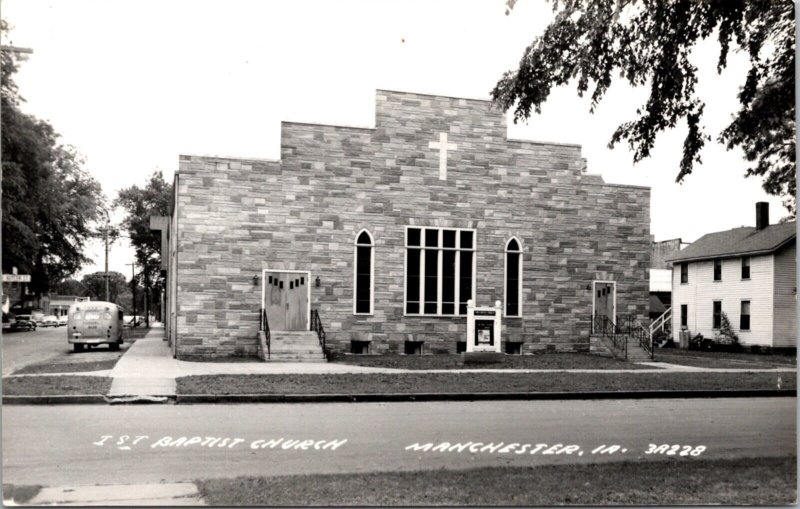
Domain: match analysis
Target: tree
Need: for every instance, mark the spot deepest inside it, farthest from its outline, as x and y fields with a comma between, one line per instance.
x=96, y=286
x=49, y=202
x=69, y=287
x=649, y=42
x=140, y=203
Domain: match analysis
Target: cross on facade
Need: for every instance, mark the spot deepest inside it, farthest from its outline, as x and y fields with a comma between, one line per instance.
x=443, y=146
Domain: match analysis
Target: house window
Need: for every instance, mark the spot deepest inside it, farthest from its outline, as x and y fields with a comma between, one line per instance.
x=717, y=315
x=440, y=270
x=513, y=278
x=744, y=316
x=717, y=270
x=684, y=273
x=363, y=273
x=745, y=267
x=684, y=315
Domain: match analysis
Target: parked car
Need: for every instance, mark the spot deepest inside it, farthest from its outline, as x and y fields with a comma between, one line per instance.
x=23, y=322
x=49, y=321
x=63, y=319
x=130, y=322
x=37, y=317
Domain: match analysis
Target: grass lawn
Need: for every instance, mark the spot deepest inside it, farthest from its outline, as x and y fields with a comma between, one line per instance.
x=20, y=494
x=461, y=382
x=756, y=481
x=454, y=361
x=724, y=359
x=55, y=385
x=66, y=367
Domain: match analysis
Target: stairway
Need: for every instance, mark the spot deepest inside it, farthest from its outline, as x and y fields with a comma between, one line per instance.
x=604, y=347
x=635, y=352
x=295, y=346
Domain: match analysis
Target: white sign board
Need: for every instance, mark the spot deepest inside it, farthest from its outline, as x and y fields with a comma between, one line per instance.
x=483, y=327
x=16, y=278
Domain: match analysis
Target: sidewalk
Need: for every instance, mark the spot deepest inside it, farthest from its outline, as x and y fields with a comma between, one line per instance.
x=148, y=369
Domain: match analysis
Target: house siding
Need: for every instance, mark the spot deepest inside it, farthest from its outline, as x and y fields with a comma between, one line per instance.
x=785, y=297
x=701, y=291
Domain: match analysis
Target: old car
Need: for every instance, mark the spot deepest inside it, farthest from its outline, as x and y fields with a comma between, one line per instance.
x=49, y=321
x=23, y=322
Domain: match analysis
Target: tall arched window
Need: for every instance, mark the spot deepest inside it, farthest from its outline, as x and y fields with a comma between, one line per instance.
x=513, y=290
x=363, y=274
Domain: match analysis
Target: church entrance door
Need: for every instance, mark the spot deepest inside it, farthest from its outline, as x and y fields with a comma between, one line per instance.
x=286, y=299
x=605, y=302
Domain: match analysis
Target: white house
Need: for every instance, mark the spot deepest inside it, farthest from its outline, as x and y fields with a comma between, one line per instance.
x=747, y=273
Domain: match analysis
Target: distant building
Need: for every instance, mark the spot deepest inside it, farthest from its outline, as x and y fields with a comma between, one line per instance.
x=661, y=275
x=750, y=274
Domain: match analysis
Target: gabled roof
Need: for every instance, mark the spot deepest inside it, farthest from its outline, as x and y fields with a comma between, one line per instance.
x=738, y=242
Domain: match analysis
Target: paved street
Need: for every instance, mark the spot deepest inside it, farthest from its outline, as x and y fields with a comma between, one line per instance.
x=29, y=347
x=60, y=445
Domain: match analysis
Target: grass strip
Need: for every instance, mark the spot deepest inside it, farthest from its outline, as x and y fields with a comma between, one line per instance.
x=20, y=494
x=66, y=367
x=724, y=359
x=460, y=382
x=55, y=385
x=450, y=361
x=747, y=481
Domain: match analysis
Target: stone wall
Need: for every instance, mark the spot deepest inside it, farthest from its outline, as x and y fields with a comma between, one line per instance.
x=238, y=216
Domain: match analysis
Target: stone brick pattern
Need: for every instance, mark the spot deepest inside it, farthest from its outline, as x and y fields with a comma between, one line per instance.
x=239, y=216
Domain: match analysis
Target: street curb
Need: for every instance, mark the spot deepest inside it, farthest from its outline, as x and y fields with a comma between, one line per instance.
x=63, y=399
x=483, y=396
x=99, y=399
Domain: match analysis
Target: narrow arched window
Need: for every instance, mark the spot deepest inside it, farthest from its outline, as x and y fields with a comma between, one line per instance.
x=363, y=274
x=513, y=287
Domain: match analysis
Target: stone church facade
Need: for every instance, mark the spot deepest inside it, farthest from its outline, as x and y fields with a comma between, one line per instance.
x=386, y=232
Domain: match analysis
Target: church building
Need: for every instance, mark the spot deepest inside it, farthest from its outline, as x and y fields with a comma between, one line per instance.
x=381, y=236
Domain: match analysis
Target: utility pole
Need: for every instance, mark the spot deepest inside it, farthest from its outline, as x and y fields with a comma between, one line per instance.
x=133, y=285
x=105, y=232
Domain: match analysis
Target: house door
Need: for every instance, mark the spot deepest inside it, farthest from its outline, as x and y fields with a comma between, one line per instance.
x=286, y=296
x=604, y=300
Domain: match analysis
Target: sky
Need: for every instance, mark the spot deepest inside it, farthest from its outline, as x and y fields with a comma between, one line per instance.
x=134, y=84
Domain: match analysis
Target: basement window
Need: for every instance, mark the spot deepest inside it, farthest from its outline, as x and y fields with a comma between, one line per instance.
x=359, y=347
x=513, y=348
x=461, y=346
x=413, y=347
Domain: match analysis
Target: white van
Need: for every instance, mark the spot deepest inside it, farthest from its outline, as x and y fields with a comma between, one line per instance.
x=94, y=323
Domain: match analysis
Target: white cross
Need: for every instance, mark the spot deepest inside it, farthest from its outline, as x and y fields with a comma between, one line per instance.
x=442, y=145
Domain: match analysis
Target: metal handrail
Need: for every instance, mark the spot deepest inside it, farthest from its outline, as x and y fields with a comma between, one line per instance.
x=604, y=326
x=645, y=337
x=316, y=326
x=265, y=329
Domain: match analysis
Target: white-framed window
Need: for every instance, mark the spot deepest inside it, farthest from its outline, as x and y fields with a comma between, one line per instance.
x=363, y=273
x=439, y=270
x=513, y=278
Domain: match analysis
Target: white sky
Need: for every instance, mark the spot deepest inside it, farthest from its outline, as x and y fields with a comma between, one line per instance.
x=133, y=84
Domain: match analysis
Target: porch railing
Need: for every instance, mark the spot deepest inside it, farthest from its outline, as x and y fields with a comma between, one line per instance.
x=630, y=326
x=663, y=322
x=264, y=327
x=316, y=326
x=604, y=326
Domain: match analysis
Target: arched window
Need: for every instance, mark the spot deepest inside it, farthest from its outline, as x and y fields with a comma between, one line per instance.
x=363, y=274
x=513, y=287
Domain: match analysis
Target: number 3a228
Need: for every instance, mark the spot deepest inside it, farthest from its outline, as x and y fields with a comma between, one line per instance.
x=675, y=450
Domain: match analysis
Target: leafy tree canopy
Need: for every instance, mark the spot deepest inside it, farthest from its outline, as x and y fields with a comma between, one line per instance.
x=649, y=43
x=139, y=204
x=49, y=201
x=96, y=286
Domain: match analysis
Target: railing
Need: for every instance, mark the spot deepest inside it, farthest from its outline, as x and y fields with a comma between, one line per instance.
x=316, y=326
x=645, y=338
x=663, y=322
x=603, y=325
x=264, y=327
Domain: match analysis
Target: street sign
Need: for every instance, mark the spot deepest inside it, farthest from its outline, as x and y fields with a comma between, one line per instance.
x=16, y=278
